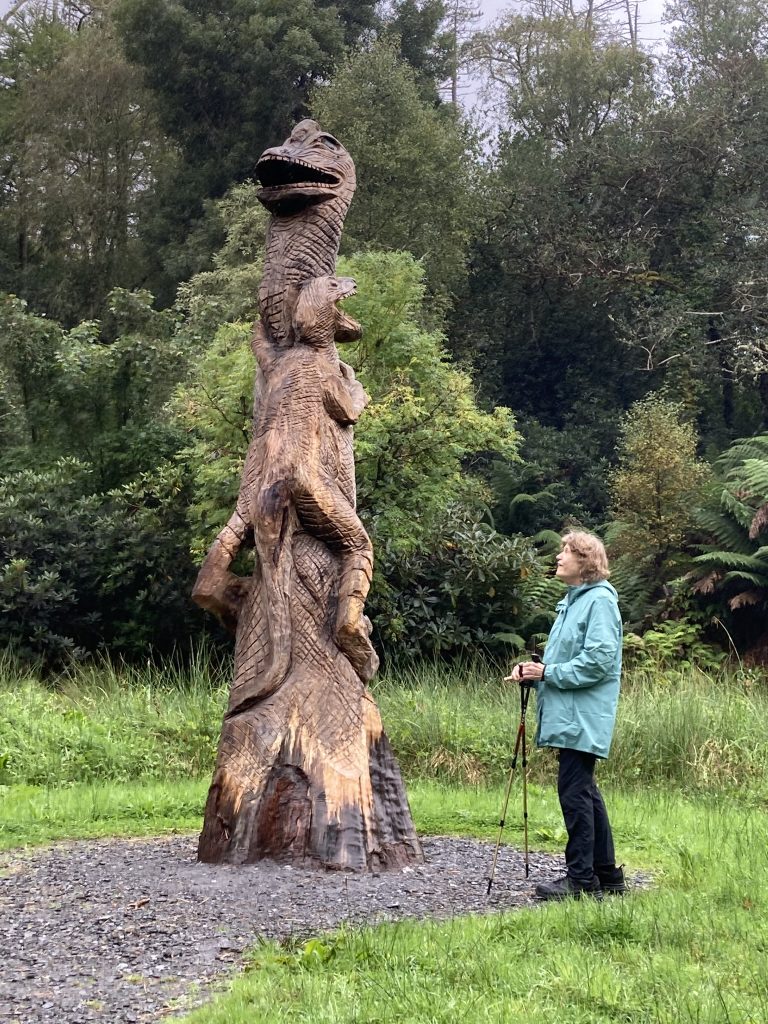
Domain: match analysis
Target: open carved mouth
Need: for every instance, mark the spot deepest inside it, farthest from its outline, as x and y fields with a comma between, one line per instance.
x=347, y=329
x=283, y=173
x=347, y=287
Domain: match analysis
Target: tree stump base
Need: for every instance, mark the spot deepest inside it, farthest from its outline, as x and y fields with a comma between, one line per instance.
x=306, y=775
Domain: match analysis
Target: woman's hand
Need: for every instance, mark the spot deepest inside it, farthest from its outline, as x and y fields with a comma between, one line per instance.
x=526, y=672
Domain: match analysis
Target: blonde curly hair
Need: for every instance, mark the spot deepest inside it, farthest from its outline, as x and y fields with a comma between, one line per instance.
x=590, y=551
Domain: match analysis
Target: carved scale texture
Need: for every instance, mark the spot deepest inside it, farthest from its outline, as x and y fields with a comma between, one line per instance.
x=321, y=734
x=299, y=247
x=304, y=772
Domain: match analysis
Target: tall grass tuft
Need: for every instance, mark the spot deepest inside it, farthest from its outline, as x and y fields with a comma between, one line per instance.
x=452, y=724
x=682, y=728
x=110, y=723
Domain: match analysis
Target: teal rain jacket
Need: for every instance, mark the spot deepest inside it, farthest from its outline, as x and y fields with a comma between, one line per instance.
x=576, y=701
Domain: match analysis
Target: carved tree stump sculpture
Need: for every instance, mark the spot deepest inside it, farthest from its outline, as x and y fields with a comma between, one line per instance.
x=304, y=771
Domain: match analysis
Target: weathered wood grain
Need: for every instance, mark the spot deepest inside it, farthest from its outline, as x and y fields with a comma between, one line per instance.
x=304, y=771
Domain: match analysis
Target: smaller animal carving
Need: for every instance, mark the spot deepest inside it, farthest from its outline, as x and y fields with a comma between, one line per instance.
x=311, y=401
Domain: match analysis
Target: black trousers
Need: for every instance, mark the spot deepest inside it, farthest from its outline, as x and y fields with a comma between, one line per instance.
x=590, y=842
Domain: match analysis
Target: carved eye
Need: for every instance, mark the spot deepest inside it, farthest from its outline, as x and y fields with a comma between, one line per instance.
x=329, y=142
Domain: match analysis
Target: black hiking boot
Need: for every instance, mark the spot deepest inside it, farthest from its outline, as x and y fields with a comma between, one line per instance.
x=612, y=880
x=565, y=887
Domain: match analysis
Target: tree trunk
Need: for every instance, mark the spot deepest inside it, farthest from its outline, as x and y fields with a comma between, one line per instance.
x=304, y=773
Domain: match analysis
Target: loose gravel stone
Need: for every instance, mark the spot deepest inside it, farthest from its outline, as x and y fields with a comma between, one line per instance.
x=132, y=931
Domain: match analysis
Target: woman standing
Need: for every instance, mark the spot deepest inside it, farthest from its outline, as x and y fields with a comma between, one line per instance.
x=577, y=690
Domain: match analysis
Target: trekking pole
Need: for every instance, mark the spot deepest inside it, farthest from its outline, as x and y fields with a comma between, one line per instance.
x=525, y=692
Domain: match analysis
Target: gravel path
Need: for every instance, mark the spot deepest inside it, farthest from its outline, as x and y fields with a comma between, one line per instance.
x=131, y=931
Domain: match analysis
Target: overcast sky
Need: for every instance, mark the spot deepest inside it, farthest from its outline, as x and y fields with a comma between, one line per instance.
x=649, y=13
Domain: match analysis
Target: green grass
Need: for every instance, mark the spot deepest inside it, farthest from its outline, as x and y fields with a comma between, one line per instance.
x=680, y=728
x=103, y=752
x=690, y=950
x=33, y=815
x=101, y=724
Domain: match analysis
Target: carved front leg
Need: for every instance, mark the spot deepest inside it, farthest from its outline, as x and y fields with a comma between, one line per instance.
x=353, y=628
x=217, y=589
x=344, y=397
x=325, y=513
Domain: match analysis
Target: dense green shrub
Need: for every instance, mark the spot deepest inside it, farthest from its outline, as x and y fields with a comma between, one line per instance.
x=672, y=644
x=83, y=571
x=467, y=589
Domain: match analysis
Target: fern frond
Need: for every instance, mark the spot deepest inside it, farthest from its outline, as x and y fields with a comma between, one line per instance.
x=739, y=451
x=706, y=584
x=527, y=499
x=753, y=474
x=539, y=593
x=740, y=511
x=633, y=587
x=742, y=575
x=723, y=530
x=747, y=598
x=547, y=541
x=731, y=559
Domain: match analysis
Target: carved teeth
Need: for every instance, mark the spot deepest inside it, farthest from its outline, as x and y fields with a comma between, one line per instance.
x=270, y=171
x=298, y=184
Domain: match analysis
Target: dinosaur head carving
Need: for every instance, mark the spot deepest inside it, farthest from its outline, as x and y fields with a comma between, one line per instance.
x=310, y=167
x=318, y=320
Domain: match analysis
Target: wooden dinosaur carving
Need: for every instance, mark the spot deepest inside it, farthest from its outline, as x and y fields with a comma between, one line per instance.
x=304, y=771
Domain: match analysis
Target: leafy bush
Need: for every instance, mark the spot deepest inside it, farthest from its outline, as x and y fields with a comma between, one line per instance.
x=673, y=644
x=562, y=478
x=654, y=488
x=465, y=589
x=80, y=571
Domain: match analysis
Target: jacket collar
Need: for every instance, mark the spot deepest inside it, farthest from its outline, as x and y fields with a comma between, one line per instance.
x=574, y=593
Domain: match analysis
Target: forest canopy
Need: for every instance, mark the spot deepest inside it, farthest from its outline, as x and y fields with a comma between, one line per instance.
x=564, y=292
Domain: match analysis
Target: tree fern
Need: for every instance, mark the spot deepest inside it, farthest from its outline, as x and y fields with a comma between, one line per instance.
x=732, y=566
x=736, y=508
x=756, y=579
x=732, y=560
x=754, y=475
x=743, y=449
x=539, y=592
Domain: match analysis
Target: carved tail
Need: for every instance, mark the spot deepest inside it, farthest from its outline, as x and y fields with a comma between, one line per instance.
x=274, y=524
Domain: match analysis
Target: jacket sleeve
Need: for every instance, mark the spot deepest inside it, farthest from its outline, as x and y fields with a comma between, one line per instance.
x=598, y=655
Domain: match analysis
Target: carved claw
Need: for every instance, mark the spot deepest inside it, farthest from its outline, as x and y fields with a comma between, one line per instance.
x=217, y=589
x=353, y=640
x=223, y=594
